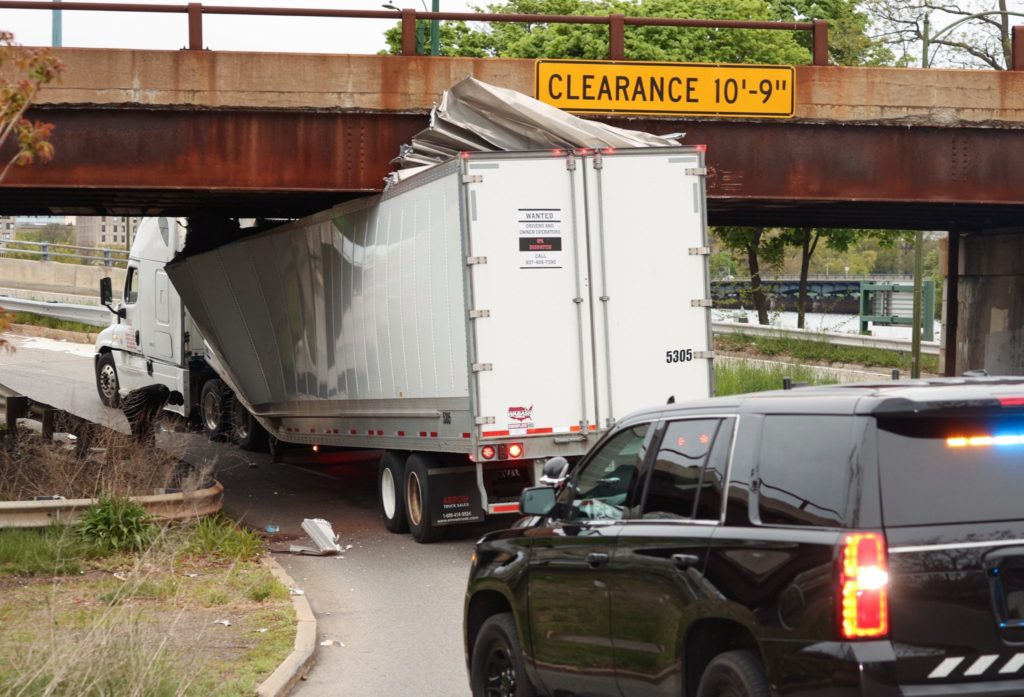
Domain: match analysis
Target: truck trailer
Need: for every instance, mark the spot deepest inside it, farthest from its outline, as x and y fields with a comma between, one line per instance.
x=470, y=322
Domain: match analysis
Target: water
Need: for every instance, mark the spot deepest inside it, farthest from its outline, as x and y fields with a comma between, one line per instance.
x=820, y=322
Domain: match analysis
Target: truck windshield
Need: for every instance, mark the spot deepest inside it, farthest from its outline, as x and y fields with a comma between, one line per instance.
x=131, y=285
x=951, y=470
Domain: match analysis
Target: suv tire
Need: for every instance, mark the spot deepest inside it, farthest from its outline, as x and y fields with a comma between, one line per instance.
x=497, y=668
x=734, y=674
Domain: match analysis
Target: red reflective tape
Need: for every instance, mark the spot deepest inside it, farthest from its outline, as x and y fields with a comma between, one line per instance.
x=1011, y=401
x=495, y=434
x=335, y=431
x=433, y=434
x=380, y=433
x=423, y=434
x=574, y=429
x=401, y=433
x=535, y=431
x=467, y=435
x=353, y=432
x=370, y=432
x=312, y=430
x=505, y=508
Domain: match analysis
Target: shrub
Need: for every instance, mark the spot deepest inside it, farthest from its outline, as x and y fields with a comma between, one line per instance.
x=116, y=525
x=219, y=536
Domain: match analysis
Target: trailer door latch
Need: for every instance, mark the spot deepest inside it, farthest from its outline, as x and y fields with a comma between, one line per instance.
x=472, y=261
x=700, y=251
x=472, y=179
x=701, y=302
x=477, y=314
x=484, y=420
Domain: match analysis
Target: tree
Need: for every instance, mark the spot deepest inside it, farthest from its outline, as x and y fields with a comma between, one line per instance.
x=758, y=246
x=848, y=40
x=23, y=72
x=52, y=233
x=979, y=42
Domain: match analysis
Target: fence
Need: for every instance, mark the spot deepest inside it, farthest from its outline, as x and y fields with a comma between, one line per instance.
x=410, y=18
x=66, y=253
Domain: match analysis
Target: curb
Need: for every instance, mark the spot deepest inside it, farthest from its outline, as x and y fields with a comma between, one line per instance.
x=301, y=659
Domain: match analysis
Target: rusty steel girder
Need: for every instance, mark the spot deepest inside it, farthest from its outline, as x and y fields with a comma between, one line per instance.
x=287, y=163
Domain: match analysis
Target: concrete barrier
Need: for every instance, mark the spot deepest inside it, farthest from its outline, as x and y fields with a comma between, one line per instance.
x=55, y=277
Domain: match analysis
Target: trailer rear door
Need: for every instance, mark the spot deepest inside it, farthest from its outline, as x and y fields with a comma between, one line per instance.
x=529, y=294
x=647, y=238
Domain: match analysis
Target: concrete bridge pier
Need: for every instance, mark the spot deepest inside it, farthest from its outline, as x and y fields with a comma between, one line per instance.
x=989, y=292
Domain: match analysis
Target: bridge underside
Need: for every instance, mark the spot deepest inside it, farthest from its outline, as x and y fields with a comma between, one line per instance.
x=288, y=163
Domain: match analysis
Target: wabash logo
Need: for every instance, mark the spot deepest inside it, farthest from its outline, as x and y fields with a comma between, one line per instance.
x=520, y=413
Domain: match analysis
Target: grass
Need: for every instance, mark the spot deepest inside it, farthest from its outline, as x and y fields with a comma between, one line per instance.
x=53, y=323
x=76, y=621
x=819, y=351
x=738, y=377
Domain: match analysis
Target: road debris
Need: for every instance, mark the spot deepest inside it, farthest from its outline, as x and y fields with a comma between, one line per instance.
x=226, y=623
x=322, y=535
x=331, y=642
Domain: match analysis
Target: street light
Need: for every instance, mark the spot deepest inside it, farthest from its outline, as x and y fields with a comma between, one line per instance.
x=435, y=29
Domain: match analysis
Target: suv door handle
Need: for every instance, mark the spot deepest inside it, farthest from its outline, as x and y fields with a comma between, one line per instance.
x=596, y=559
x=685, y=561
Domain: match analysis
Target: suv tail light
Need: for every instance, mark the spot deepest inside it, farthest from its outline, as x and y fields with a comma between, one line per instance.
x=863, y=586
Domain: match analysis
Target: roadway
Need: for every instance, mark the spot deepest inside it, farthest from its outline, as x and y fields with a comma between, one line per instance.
x=390, y=608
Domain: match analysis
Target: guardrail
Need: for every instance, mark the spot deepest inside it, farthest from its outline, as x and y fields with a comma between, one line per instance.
x=930, y=348
x=409, y=19
x=50, y=251
x=94, y=315
x=100, y=317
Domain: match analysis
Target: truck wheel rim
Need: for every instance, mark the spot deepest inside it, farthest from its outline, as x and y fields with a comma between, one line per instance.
x=108, y=381
x=387, y=493
x=211, y=411
x=413, y=502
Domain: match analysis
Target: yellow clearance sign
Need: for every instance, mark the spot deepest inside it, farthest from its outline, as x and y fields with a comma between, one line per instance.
x=666, y=88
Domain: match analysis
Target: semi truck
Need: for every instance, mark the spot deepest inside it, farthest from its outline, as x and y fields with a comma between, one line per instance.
x=470, y=322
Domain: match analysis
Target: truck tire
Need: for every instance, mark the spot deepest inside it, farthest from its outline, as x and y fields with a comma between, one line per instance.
x=106, y=381
x=497, y=665
x=245, y=430
x=214, y=409
x=734, y=674
x=391, y=491
x=417, y=500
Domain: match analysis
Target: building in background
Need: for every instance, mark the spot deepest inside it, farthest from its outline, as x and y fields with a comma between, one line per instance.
x=8, y=225
x=106, y=231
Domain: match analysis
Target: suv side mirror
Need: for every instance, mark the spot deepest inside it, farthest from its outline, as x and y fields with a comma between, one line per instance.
x=554, y=471
x=537, y=500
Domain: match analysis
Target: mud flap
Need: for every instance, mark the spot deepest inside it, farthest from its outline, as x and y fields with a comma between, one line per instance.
x=454, y=496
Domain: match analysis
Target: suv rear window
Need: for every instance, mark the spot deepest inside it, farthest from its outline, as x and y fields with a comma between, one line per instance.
x=951, y=470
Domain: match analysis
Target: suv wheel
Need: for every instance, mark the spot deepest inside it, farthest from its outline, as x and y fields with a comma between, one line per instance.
x=734, y=674
x=497, y=668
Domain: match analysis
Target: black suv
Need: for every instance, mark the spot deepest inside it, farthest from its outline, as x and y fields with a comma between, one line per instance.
x=847, y=540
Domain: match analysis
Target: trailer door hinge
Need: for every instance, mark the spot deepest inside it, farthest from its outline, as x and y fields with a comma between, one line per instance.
x=472, y=179
x=703, y=354
x=598, y=161
x=484, y=420
x=570, y=162
x=697, y=171
x=471, y=261
x=482, y=367
x=701, y=302
x=700, y=251
x=477, y=314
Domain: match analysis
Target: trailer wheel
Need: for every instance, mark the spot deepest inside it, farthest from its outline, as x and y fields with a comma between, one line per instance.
x=214, y=406
x=245, y=430
x=391, y=491
x=417, y=500
x=106, y=381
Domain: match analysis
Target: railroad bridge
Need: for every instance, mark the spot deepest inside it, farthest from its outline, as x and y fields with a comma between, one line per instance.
x=144, y=132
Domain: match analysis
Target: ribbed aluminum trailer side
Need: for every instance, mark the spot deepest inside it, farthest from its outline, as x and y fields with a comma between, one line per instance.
x=472, y=321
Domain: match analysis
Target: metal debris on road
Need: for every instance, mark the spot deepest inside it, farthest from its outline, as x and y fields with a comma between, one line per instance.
x=323, y=537
x=296, y=591
x=331, y=642
x=226, y=623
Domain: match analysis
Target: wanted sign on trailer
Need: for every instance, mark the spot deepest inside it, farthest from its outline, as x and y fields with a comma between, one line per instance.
x=540, y=238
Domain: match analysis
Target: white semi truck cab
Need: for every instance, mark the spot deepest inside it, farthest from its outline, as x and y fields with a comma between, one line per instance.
x=153, y=340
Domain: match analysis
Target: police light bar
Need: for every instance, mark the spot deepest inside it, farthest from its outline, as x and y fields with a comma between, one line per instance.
x=985, y=441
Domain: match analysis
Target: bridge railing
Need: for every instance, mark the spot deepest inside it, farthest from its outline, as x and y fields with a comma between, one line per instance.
x=616, y=23
x=67, y=253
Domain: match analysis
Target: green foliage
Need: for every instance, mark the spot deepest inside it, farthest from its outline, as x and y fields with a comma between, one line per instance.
x=219, y=536
x=740, y=377
x=49, y=551
x=51, y=323
x=848, y=41
x=818, y=351
x=52, y=233
x=116, y=525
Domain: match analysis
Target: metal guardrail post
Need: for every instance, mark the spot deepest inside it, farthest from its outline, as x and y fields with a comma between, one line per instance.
x=1017, y=48
x=408, y=32
x=45, y=251
x=195, y=26
x=107, y=259
x=616, y=37
x=820, y=42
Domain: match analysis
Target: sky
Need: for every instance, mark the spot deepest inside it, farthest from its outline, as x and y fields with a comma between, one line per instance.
x=94, y=29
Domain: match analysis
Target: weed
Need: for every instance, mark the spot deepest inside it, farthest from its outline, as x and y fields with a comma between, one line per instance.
x=737, y=377
x=222, y=537
x=52, y=323
x=50, y=551
x=820, y=351
x=116, y=524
